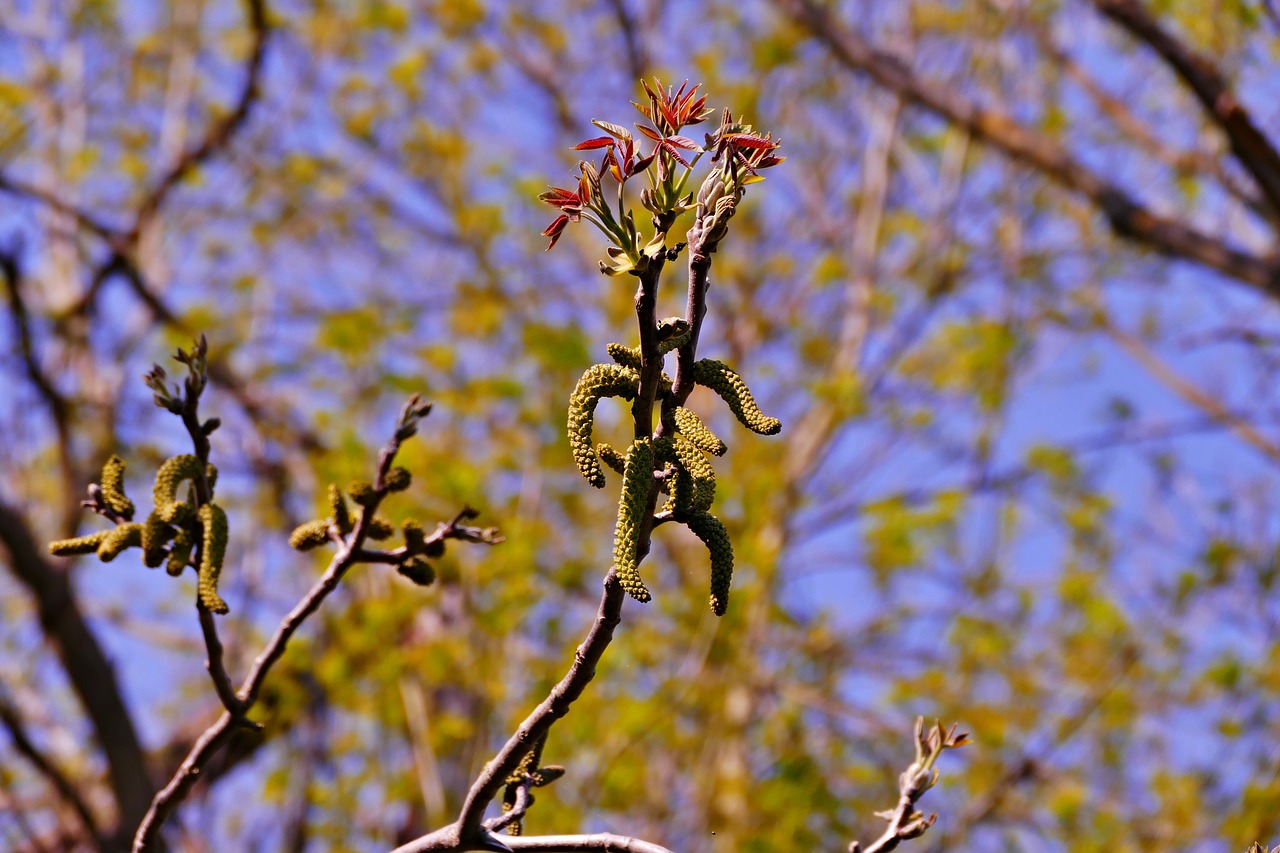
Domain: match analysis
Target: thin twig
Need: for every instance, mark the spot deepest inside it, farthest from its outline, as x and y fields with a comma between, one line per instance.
x=13, y=723
x=1127, y=215
x=184, y=779
x=572, y=843
x=221, y=132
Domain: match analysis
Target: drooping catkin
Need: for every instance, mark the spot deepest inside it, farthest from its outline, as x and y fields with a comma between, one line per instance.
x=719, y=377
x=172, y=473
x=637, y=479
x=712, y=533
x=306, y=537
x=692, y=428
x=113, y=488
x=700, y=471
x=213, y=523
x=397, y=479
x=610, y=456
x=180, y=551
x=418, y=570
x=156, y=533
x=127, y=535
x=339, y=515
x=600, y=381
x=79, y=545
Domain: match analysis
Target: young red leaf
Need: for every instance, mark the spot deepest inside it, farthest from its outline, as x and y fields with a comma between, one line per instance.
x=649, y=132
x=615, y=130
x=684, y=142
x=593, y=143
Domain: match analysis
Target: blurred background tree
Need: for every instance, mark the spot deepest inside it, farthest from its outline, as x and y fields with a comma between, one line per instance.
x=1014, y=298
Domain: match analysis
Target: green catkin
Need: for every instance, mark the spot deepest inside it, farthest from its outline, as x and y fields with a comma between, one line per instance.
x=680, y=485
x=600, y=380
x=712, y=533
x=213, y=522
x=172, y=473
x=80, y=545
x=362, y=492
x=610, y=456
x=113, y=488
x=397, y=479
x=637, y=478
x=339, y=515
x=180, y=552
x=306, y=537
x=415, y=538
x=625, y=356
x=700, y=472
x=630, y=357
x=717, y=376
x=379, y=529
x=116, y=541
x=692, y=428
x=417, y=570
x=156, y=533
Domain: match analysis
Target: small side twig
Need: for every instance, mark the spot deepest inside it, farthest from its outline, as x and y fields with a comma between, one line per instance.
x=67, y=791
x=905, y=822
x=166, y=802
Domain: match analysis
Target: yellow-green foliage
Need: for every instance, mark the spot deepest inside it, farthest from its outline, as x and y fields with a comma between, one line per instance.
x=338, y=512
x=81, y=545
x=692, y=428
x=113, y=487
x=311, y=535
x=712, y=533
x=116, y=541
x=637, y=479
x=692, y=459
x=600, y=380
x=717, y=376
x=213, y=522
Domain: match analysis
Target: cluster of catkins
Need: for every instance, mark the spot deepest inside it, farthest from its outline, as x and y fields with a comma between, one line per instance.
x=172, y=532
x=417, y=549
x=680, y=460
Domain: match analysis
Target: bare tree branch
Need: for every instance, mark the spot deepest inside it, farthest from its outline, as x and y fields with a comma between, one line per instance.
x=221, y=132
x=1128, y=217
x=168, y=800
x=67, y=791
x=90, y=673
x=1250, y=145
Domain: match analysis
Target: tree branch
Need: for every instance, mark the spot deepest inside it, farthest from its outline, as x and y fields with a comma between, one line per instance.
x=1128, y=217
x=90, y=673
x=1250, y=145
x=221, y=132
x=13, y=723
x=166, y=802
x=572, y=843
